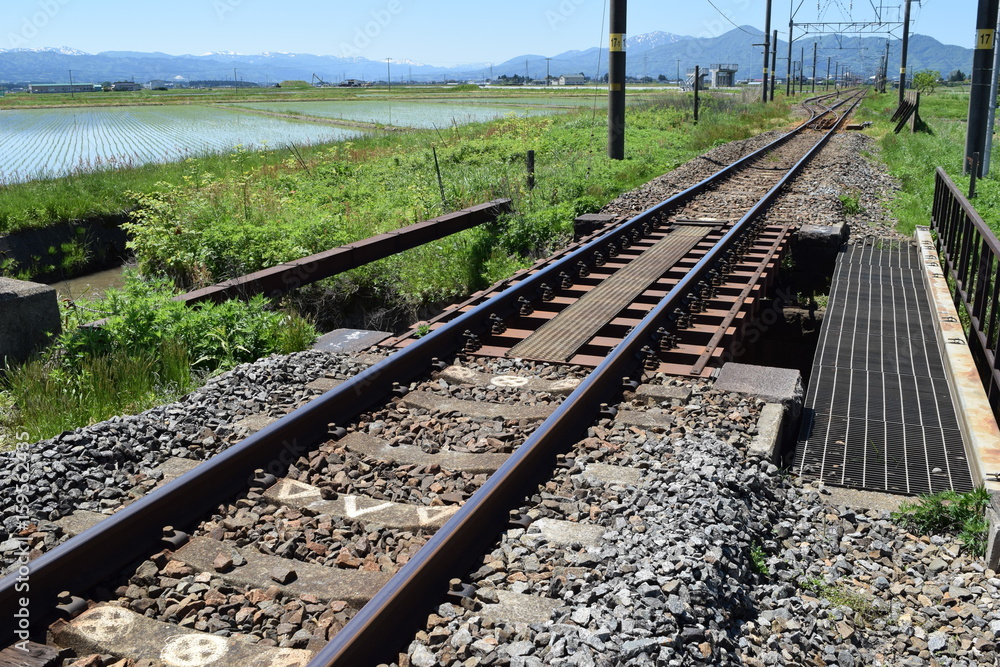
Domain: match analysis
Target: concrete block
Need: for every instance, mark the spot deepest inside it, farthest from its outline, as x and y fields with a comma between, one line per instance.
x=769, y=384
x=28, y=313
x=346, y=341
x=993, y=545
x=823, y=236
x=770, y=431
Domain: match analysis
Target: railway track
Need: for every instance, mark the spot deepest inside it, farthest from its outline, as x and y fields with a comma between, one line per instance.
x=356, y=512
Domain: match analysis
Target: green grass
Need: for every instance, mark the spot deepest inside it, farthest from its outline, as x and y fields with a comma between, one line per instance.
x=949, y=512
x=912, y=158
x=150, y=350
x=758, y=560
x=839, y=595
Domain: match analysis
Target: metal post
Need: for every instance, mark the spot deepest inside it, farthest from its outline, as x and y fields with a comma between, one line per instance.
x=982, y=78
x=902, y=57
x=826, y=85
x=767, y=48
x=885, y=67
x=973, y=170
x=991, y=116
x=774, y=60
x=788, y=84
x=616, y=81
x=802, y=67
x=697, y=76
x=815, y=44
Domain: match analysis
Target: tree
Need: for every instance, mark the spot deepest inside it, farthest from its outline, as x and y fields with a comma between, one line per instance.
x=662, y=77
x=925, y=81
x=956, y=76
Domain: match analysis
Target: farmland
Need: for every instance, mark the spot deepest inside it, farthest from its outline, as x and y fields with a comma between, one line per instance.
x=405, y=113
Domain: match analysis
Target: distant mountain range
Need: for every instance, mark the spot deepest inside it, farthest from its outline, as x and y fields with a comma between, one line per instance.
x=649, y=54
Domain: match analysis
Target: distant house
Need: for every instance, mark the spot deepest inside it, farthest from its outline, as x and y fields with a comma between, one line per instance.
x=157, y=84
x=572, y=80
x=39, y=88
x=126, y=86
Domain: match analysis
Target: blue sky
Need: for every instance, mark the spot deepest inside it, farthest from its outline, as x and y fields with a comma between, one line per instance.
x=437, y=33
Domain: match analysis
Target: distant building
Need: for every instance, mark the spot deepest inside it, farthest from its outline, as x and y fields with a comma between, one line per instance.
x=125, y=86
x=572, y=80
x=63, y=87
x=354, y=83
x=159, y=83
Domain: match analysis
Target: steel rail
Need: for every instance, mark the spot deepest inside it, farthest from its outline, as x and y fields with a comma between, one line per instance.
x=135, y=530
x=366, y=639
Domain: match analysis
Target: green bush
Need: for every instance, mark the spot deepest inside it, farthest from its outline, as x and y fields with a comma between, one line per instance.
x=962, y=514
x=149, y=350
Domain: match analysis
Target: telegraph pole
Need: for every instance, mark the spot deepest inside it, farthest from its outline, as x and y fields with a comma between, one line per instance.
x=791, y=26
x=906, y=41
x=815, y=44
x=802, y=67
x=767, y=48
x=992, y=110
x=774, y=60
x=71, y=94
x=547, y=61
x=388, y=74
x=616, y=81
x=826, y=85
x=982, y=79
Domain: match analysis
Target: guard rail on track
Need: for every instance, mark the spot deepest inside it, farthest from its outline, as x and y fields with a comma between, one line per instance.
x=970, y=254
x=292, y=275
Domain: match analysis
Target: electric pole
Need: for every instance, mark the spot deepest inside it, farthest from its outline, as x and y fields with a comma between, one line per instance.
x=616, y=81
x=678, y=74
x=767, y=48
x=906, y=41
x=802, y=67
x=774, y=60
x=791, y=26
x=826, y=86
x=982, y=79
x=815, y=44
x=72, y=95
x=547, y=60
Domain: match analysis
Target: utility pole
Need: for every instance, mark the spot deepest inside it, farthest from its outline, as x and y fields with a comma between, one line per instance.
x=826, y=86
x=388, y=74
x=992, y=109
x=72, y=95
x=236, y=83
x=774, y=60
x=802, y=67
x=616, y=81
x=678, y=74
x=791, y=26
x=547, y=60
x=697, y=82
x=767, y=48
x=525, y=71
x=885, y=67
x=815, y=45
x=906, y=41
x=982, y=75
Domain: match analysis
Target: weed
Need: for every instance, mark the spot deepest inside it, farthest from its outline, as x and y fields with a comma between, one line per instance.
x=839, y=595
x=850, y=204
x=758, y=560
x=422, y=330
x=962, y=514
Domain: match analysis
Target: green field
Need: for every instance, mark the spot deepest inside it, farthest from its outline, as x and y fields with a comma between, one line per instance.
x=912, y=158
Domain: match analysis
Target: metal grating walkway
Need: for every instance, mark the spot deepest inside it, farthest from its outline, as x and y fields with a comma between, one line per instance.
x=878, y=414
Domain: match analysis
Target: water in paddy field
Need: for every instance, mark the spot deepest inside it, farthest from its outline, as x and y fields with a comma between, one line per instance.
x=420, y=114
x=45, y=143
x=91, y=286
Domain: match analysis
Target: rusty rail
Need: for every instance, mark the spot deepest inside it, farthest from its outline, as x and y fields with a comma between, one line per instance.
x=970, y=254
x=297, y=273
